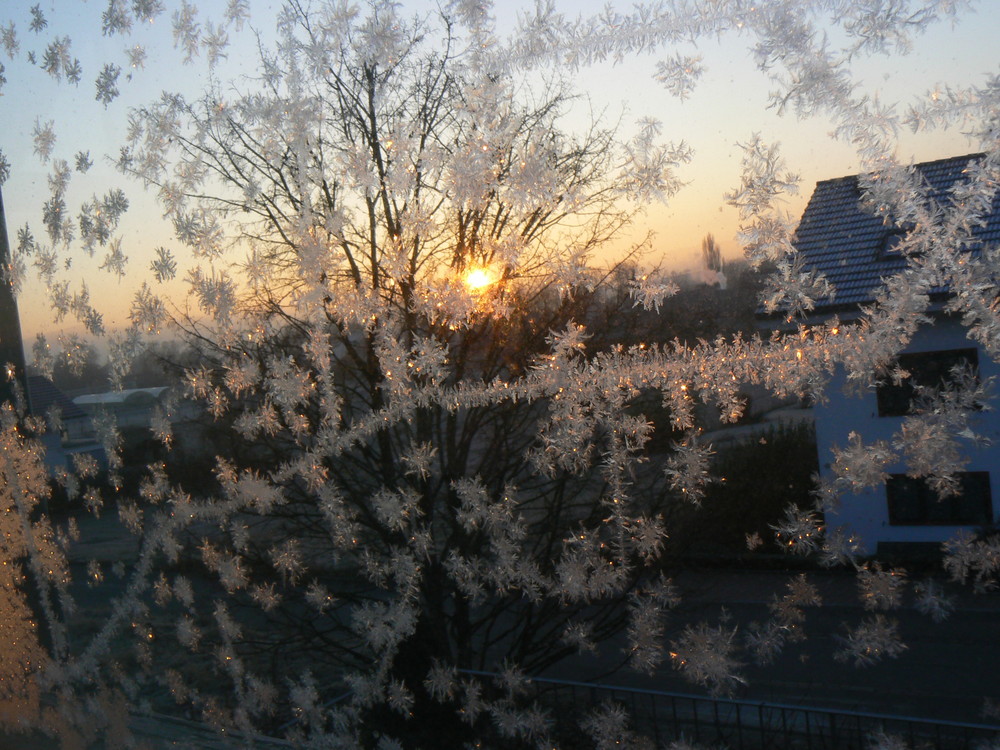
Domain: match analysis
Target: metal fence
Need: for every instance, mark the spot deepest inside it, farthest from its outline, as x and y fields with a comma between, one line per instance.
x=748, y=725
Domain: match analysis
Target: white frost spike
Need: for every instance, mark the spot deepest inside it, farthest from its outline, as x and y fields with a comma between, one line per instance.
x=148, y=311
x=800, y=532
x=932, y=601
x=706, y=655
x=579, y=635
x=38, y=20
x=764, y=178
x=840, y=547
x=861, y=465
x=645, y=633
x=107, y=84
x=117, y=19
x=932, y=438
x=441, y=681
x=688, y=469
x=764, y=232
x=43, y=357
x=399, y=698
x=115, y=260
x=187, y=30
x=679, y=74
x=570, y=341
x=83, y=162
x=968, y=557
x=146, y=11
x=214, y=43
x=649, y=290
x=419, y=460
x=871, y=642
x=237, y=12
x=56, y=60
x=164, y=267
x=161, y=427
x=881, y=588
x=136, y=56
x=607, y=728
x=649, y=171
x=8, y=39
x=45, y=139
x=794, y=290
x=215, y=292
x=319, y=597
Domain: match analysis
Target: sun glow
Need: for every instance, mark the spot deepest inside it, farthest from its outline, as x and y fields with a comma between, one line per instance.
x=478, y=279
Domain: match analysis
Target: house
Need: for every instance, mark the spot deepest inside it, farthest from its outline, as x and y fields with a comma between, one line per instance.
x=855, y=250
x=76, y=430
x=132, y=407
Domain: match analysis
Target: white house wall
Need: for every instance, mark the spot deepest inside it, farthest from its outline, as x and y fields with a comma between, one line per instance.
x=867, y=514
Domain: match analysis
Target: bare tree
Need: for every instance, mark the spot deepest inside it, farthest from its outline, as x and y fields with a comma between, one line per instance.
x=711, y=254
x=414, y=227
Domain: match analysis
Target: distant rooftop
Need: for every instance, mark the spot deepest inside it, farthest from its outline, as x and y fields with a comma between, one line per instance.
x=838, y=237
x=129, y=396
x=43, y=394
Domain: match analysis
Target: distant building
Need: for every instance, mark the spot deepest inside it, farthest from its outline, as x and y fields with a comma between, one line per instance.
x=76, y=430
x=855, y=250
x=131, y=407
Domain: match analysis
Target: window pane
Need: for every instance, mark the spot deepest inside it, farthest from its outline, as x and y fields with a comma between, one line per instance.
x=912, y=501
x=931, y=369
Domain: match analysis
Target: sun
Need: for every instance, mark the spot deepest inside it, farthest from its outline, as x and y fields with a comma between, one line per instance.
x=478, y=279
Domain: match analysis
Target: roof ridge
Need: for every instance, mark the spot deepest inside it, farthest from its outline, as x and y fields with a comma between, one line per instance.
x=918, y=165
x=851, y=246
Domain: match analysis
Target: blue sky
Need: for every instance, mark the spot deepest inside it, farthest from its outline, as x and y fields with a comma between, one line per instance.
x=727, y=108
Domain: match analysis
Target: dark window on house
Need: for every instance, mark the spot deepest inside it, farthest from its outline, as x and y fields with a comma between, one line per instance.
x=913, y=502
x=889, y=246
x=930, y=369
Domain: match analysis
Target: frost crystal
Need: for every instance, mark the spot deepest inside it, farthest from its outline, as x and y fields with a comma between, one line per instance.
x=187, y=30
x=115, y=261
x=38, y=21
x=237, y=12
x=427, y=446
x=650, y=292
x=871, y=642
x=881, y=588
x=83, y=162
x=706, y=656
x=56, y=59
x=214, y=43
x=932, y=601
x=146, y=11
x=45, y=139
x=8, y=39
x=164, y=266
x=116, y=19
x=107, y=84
x=679, y=74
x=136, y=56
x=688, y=469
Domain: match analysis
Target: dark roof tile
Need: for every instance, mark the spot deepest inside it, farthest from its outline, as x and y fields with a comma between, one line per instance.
x=43, y=394
x=842, y=240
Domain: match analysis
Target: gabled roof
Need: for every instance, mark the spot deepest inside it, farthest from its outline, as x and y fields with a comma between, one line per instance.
x=842, y=240
x=43, y=394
